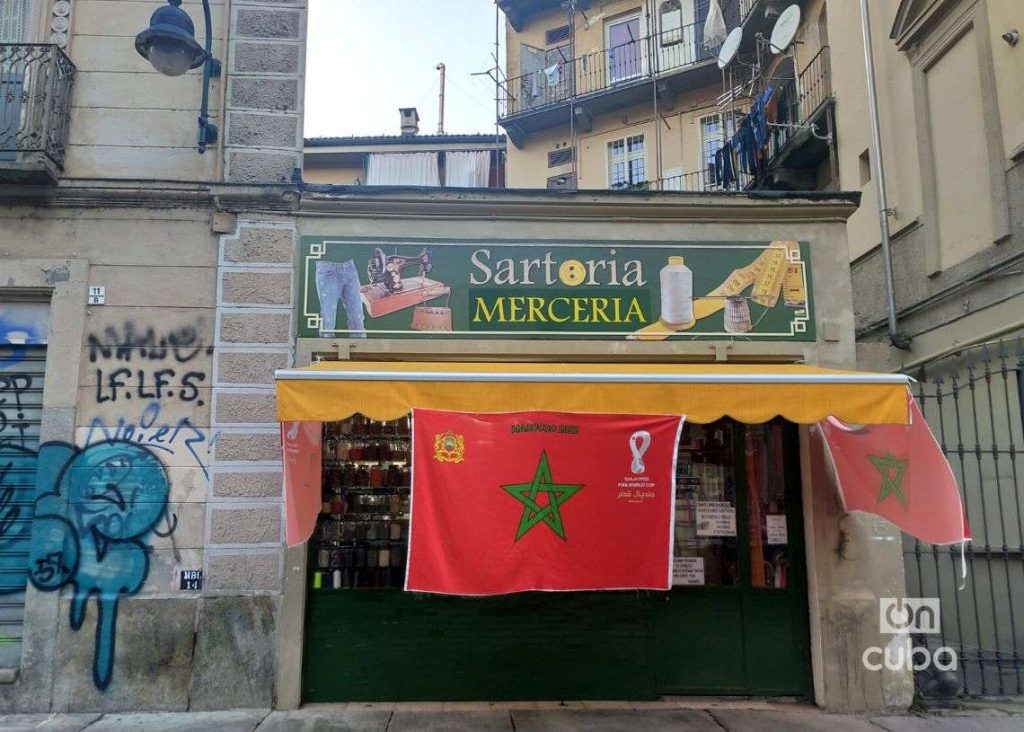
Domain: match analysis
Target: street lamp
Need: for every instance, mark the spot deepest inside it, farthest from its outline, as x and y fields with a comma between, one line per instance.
x=169, y=43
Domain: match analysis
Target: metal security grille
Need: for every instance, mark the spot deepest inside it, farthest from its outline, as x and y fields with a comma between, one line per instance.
x=974, y=402
x=21, y=406
x=563, y=156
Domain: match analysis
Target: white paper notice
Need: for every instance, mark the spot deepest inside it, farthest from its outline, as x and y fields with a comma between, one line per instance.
x=716, y=518
x=688, y=571
x=775, y=527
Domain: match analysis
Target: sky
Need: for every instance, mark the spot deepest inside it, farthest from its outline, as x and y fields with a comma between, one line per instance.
x=367, y=58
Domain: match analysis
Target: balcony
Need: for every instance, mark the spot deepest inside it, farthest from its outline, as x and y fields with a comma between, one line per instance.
x=577, y=89
x=35, y=104
x=805, y=136
x=699, y=181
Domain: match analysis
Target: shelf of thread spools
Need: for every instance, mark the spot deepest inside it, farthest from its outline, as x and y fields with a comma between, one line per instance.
x=363, y=530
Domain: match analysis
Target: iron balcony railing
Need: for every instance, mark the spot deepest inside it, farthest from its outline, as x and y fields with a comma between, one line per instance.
x=695, y=182
x=35, y=101
x=644, y=58
x=805, y=97
x=815, y=83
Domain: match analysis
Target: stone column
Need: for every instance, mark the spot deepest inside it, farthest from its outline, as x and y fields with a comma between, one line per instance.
x=254, y=337
x=266, y=65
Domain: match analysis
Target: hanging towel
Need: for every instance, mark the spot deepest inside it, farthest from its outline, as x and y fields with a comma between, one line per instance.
x=552, y=74
x=714, y=27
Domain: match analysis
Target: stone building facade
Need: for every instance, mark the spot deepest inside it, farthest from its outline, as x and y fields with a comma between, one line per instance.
x=172, y=368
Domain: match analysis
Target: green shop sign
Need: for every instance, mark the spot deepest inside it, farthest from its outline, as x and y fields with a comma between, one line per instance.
x=356, y=288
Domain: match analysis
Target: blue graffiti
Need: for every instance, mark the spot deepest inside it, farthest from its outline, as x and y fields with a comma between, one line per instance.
x=15, y=336
x=155, y=433
x=96, y=508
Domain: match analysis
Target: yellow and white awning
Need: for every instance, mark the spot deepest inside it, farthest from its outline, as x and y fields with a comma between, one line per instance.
x=335, y=390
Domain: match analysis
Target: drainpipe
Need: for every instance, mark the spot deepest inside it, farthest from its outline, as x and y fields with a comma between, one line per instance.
x=897, y=339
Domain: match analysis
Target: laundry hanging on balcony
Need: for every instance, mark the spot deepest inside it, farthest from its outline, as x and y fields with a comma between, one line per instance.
x=714, y=27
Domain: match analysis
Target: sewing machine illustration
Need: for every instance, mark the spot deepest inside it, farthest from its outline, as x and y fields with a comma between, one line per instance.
x=389, y=290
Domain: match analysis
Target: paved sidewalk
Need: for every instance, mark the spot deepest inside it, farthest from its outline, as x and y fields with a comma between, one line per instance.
x=705, y=716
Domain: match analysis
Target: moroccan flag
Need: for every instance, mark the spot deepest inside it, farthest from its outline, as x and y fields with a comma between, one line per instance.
x=541, y=501
x=302, y=454
x=898, y=472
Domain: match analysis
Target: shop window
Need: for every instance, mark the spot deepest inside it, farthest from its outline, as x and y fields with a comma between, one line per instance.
x=706, y=550
x=363, y=531
x=670, y=21
x=627, y=162
x=765, y=467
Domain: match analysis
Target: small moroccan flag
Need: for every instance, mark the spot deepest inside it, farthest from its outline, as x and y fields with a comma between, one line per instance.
x=898, y=472
x=522, y=501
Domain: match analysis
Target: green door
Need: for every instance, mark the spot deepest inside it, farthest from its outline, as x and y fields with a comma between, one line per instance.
x=743, y=631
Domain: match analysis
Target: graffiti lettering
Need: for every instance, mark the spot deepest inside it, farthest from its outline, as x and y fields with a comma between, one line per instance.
x=154, y=434
x=182, y=344
x=109, y=388
x=127, y=362
x=13, y=424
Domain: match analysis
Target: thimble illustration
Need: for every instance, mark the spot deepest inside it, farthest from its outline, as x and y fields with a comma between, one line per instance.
x=737, y=315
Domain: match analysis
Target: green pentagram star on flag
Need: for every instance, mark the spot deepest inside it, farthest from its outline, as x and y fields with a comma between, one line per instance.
x=533, y=512
x=893, y=470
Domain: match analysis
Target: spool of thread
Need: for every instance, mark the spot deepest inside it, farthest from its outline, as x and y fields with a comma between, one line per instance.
x=676, y=292
x=737, y=315
x=318, y=580
x=337, y=579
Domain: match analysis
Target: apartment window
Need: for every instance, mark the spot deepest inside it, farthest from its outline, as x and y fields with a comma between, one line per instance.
x=557, y=35
x=713, y=136
x=627, y=163
x=623, y=41
x=14, y=16
x=823, y=26
x=564, y=156
x=670, y=17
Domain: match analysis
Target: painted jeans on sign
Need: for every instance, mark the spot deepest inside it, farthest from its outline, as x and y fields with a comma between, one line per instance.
x=339, y=281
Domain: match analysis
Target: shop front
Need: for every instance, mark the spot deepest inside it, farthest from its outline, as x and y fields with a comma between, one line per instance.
x=715, y=325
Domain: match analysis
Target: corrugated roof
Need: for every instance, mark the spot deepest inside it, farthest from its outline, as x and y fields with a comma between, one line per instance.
x=401, y=140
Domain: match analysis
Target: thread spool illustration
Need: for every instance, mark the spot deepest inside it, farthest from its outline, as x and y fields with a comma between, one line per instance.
x=737, y=315
x=676, y=293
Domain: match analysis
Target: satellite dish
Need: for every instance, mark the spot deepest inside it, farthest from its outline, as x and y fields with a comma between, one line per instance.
x=729, y=47
x=785, y=29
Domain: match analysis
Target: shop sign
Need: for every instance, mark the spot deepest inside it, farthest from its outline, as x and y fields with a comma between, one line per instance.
x=555, y=289
x=716, y=518
x=688, y=571
x=775, y=529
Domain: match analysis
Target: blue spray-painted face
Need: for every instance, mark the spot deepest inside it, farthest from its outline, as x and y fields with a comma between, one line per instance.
x=117, y=490
x=89, y=532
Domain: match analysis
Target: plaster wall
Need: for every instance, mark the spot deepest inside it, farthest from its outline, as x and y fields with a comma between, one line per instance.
x=137, y=381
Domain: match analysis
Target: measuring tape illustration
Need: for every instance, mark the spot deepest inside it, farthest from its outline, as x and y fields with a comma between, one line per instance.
x=777, y=272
